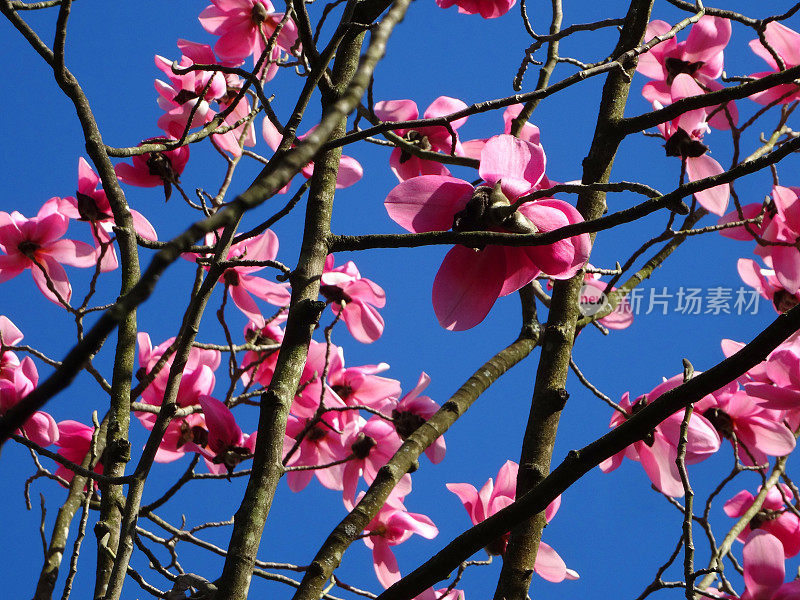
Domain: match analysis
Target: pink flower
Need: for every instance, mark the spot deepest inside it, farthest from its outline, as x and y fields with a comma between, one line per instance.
x=493, y=498
x=488, y=9
x=154, y=169
x=179, y=96
x=40, y=428
x=684, y=136
x=35, y=244
x=372, y=444
x=310, y=389
x=355, y=298
x=11, y=336
x=74, y=442
x=412, y=411
x=254, y=363
x=700, y=57
x=592, y=299
x=321, y=445
x=241, y=284
x=470, y=280
x=658, y=451
x=350, y=170
x=197, y=380
x=786, y=42
x=759, y=431
x=766, y=283
x=362, y=386
x=224, y=446
x=772, y=518
x=764, y=569
x=436, y=138
x=91, y=204
x=244, y=26
x=197, y=375
x=393, y=525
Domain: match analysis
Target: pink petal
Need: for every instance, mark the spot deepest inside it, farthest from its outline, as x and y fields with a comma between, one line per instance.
x=466, y=286
x=549, y=565
x=707, y=38
x=714, y=199
x=363, y=321
x=223, y=431
x=507, y=158
x=763, y=564
x=428, y=202
x=385, y=563
x=444, y=105
x=396, y=110
x=57, y=276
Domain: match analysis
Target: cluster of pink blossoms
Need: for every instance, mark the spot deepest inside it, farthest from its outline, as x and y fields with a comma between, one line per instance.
x=754, y=413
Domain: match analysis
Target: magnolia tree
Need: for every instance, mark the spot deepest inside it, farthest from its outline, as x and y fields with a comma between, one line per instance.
x=196, y=425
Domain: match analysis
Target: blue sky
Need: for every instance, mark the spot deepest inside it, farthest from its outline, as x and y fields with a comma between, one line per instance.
x=612, y=529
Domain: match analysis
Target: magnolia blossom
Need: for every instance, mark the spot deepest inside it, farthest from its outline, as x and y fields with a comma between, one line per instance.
x=488, y=9
x=764, y=569
x=74, y=442
x=593, y=298
x=321, y=445
x=91, y=204
x=658, y=451
x=153, y=169
x=350, y=170
x=35, y=244
x=239, y=282
x=40, y=427
x=757, y=432
x=195, y=90
x=224, y=445
x=362, y=386
x=355, y=298
x=766, y=283
x=773, y=517
x=412, y=411
x=436, y=138
x=10, y=336
x=471, y=279
x=700, y=57
x=495, y=497
x=684, y=135
x=244, y=26
x=393, y=525
x=372, y=443
x=786, y=43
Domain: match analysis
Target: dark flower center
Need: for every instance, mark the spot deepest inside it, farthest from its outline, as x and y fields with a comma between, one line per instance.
x=317, y=432
x=721, y=421
x=684, y=145
x=406, y=422
x=784, y=301
x=333, y=293
x=763, y=517
x=159, y=165
x=185, y=96
x=195, y=434
x=363, y=445
x=419, y=140
x=259, y=14
x=89, y=210
x=28, y=248
x=230, y=277
x=676, y=66
x=343, y=391
x=497, y=547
